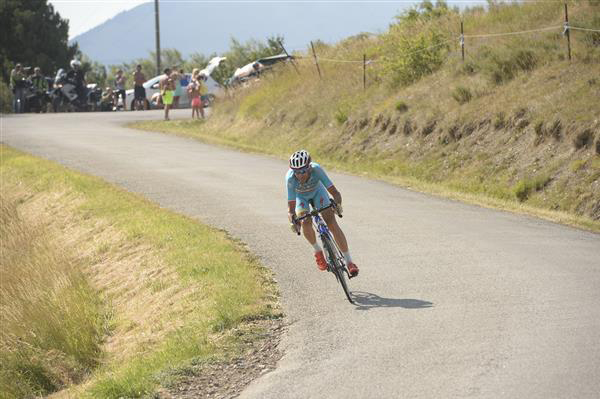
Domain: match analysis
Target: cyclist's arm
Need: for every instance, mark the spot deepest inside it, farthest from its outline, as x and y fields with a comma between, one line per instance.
x=291, y=210
x=337, y=197
x=291, y=195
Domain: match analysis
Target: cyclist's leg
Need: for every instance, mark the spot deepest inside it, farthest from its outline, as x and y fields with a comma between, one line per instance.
x=336, y=230
x=340, y=238
x=302, y=209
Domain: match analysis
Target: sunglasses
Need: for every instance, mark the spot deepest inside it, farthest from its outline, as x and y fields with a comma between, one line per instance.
x=302, y=171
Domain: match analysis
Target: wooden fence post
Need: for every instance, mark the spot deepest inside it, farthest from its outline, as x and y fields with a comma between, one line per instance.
x=568, y=31
x=316, y=60
x=462, y=41
x=364, y=72
x=290, y=57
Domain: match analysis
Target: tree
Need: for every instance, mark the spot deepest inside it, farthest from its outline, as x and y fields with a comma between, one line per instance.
x=32, y=33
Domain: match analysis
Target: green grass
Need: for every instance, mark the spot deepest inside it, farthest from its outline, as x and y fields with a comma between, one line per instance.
x=160, y=289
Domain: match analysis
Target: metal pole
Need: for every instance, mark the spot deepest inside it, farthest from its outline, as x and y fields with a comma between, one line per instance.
x=316, y=61
x=462, y=41
x=290, y=57
x=156, y=17
x=568, y=31
x=364, y=72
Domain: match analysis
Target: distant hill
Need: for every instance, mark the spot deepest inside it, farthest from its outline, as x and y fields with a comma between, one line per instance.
x=207, y=27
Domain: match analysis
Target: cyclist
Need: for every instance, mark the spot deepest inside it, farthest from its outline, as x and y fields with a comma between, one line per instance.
x=306, y=181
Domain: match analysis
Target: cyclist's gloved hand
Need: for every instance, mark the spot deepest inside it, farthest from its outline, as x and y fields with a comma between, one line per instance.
x=293, y=223
x=340, y=210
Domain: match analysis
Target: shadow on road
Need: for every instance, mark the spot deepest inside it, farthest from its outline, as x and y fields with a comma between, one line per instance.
x=366, y=301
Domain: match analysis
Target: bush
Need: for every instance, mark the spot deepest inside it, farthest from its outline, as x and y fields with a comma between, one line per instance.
x=583, y=139
x=462, y=95
x=6, y=98
x=499, y=121
x=341, y=116
x=415, y=46
x=524, y=187
x=401, y=106
x=503, y=68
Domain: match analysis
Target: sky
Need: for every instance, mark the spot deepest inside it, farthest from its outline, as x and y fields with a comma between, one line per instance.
x=83, y=15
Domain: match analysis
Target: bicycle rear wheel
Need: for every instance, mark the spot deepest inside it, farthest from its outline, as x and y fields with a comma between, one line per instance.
x=337, y=267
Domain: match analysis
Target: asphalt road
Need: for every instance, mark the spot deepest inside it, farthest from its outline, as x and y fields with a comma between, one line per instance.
x=453, y=300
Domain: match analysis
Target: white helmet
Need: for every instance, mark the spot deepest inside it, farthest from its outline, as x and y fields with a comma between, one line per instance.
x=300, y=159
x=75, y=64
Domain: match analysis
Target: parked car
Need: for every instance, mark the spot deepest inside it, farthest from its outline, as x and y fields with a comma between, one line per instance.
x=152, y=92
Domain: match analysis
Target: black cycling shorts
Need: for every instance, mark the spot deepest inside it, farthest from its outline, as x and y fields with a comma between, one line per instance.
x=120, y=93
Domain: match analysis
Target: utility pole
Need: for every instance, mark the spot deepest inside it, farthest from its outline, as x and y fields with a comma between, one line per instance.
x=157, y=37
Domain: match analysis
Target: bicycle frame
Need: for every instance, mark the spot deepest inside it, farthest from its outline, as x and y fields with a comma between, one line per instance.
x=335, y=262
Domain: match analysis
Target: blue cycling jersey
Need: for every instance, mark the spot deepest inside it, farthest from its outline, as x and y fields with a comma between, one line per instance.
x=318, y=178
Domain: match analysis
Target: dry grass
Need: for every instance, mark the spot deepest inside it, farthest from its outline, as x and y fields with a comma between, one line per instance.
x=52, y=319
x=166, y=289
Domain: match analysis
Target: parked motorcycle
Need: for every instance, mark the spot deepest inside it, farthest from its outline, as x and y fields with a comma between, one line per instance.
x=38, y=100
x=64, y=95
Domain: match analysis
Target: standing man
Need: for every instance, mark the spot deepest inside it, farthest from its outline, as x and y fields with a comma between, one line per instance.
x=40, y=86
x=17, y=85
x=120, y=89
x=38, y=80
x=139, y=92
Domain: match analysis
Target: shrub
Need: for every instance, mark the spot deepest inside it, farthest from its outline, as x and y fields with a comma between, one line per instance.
x=412, y=48
x=341, y=116
x=462, y=95
x=583, y=139
x=499, y=121
x=503, y=68
x=524, y=187
x=577, y=165
x=5, y=98
x=401, y=106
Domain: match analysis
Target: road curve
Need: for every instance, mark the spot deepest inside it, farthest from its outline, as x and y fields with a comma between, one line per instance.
x=453, y=300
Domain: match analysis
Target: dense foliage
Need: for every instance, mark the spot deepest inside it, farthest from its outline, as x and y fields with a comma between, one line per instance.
x=32, y=33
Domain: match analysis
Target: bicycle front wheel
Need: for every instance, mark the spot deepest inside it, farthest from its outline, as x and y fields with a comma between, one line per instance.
x=336, y=264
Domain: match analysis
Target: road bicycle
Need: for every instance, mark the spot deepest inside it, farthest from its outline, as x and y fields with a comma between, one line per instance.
x=335, y=261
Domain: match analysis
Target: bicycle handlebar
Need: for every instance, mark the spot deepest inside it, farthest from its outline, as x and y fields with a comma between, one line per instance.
x=315, y=212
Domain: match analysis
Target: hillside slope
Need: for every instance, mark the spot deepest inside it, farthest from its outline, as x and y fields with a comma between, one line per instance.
x=516, y=122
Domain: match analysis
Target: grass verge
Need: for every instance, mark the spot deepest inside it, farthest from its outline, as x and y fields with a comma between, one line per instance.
x=414, y=175
x=105, y=292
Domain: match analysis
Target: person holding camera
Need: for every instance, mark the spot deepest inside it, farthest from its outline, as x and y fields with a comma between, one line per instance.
x=18, y=85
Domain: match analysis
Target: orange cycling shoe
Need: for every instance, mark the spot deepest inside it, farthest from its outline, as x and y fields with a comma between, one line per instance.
x=352, y=269
x=320, y=258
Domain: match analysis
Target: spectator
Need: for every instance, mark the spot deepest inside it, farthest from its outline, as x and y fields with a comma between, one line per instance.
x=38, y=81
x=139, y=92
x=193, y=90
x=18, y=86
x=107, y=101
x=120, y=89
x=178, y=90
x=167, y=88
x=39, y=86
x=184, y=79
